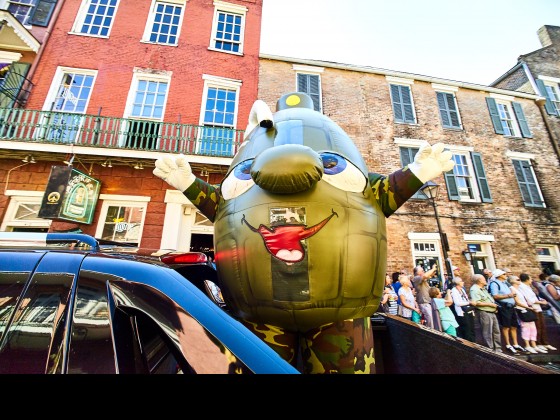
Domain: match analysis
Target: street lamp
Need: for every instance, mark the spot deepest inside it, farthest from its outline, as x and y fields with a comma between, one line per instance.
x=430, y=189
x=469, y=256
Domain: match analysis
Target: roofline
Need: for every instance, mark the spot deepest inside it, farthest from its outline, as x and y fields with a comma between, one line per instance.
x=507, y=73
x=385, y=72
x=8, y=19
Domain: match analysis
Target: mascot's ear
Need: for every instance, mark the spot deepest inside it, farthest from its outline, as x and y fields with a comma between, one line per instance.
x=260, y=115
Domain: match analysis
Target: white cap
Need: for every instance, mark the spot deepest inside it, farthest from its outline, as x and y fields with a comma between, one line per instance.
x=497, y=273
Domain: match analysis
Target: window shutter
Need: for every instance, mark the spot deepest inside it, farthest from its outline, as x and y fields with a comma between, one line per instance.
x=309, y=83
x=549, y=106
x=525, y=131
x=407, y=104
x=396, y=98
x=527, y=183
x=42, y=12
x=443, y=112
x=494, y=115
x=481, y=177
x=12, y=84
x=452, y=191
x=407, y=157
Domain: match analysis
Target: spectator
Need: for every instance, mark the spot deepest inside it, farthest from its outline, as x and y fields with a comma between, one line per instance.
x=500, y=291
x=487, y=273
x=526, y=289
x=448, y=321
x=553, y=289
x=397, y=284
x=528, y=328
x=422, y=287
x=464, y=311
x=389, y=299
x=408, y=302
x=486, y=310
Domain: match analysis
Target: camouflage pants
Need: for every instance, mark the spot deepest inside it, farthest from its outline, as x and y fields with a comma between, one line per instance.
x=340, y=347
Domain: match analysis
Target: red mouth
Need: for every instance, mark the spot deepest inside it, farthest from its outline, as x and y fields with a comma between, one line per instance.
x=285, y=242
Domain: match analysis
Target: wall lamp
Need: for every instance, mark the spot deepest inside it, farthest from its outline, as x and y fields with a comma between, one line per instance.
x=107, y=164
x=469, y=255
x=28, y=159
x=138, y=165
x=69, y=161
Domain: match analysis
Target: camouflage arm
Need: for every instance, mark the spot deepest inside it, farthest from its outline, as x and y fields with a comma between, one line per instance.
x=205, y=197
x=392, y=192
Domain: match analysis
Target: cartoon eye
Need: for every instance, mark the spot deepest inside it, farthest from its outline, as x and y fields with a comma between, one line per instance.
x=238, y=181
x=342, y=174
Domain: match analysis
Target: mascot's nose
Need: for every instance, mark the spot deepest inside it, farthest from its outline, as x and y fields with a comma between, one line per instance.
x=287, y=169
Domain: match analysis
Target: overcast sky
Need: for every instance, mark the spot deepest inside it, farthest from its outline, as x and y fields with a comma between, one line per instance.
x=472, y=41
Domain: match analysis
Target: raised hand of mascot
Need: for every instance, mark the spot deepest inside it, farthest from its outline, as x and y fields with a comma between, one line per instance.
x=176, y=171
x=431, y=161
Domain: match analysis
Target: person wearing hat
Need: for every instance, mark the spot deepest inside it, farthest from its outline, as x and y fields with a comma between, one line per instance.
x=507, y=318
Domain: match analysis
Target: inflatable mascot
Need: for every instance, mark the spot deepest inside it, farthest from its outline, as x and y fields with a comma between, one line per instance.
x=299, y=232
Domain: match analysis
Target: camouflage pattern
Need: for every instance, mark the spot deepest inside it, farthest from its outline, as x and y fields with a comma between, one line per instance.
x=344, y=347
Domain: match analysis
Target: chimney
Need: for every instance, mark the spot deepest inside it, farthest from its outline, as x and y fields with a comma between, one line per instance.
x=549, y=35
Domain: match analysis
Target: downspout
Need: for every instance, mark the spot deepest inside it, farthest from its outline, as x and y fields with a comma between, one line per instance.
x=54, y=18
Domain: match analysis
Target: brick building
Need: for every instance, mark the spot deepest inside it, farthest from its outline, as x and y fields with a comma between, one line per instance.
x=118, y=84
x=500, y=202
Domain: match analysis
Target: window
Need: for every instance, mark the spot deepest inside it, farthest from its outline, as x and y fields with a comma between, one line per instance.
x=401, y=98
x=69, y=94
x=96, y=17
x=122, y=218
x=549, y=88
x=467, y=180
x=480, y=247
x=146, y=107
x=219, y=116
x=508, y=117
x=309, y=81
x=22, y=214
x=407, y=157
x=527, y=182
x=447, y=104
x=228, y=27
x=164, y=22
x=426, y=251
x=549, y=258
x=32, y=12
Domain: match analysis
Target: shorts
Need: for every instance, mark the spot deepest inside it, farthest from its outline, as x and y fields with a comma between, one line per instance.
x=507, y=317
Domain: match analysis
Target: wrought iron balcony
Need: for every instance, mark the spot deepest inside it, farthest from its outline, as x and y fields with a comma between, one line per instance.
x=122, y=133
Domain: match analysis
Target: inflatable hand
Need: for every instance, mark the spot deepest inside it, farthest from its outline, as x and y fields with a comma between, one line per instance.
x=431, y=161
x=176, y=171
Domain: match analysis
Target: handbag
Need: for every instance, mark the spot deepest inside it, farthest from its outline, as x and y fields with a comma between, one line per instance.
x=526, y=315
x=416, y=317
x=467, y=308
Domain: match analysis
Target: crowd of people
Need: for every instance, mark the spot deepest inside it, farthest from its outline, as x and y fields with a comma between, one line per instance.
x=504, y=305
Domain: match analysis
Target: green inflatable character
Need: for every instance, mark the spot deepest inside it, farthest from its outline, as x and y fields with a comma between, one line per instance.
x=299, y=232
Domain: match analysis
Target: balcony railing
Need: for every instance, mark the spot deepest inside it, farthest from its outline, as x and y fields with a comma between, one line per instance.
x=122, y=133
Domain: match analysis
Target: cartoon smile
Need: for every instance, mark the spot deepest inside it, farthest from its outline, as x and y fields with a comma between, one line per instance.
x=285, y=242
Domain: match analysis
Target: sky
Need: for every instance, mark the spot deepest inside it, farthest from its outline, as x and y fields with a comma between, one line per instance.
x=473, y=41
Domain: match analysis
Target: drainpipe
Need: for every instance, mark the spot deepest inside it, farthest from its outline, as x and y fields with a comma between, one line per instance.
x=35, y=63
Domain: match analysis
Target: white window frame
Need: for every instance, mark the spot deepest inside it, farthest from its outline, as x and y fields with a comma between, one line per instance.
x=109, y=200
x=151, y=18
x=30, y=8
x=554, y=256
x=81, y=16
x=465, y=151
x=236, y=9
x=437, y=253
x=554, y=84
x=392, y=80
x=452, y=90
x=21, y=198
x=314, y=71
x=503, y=105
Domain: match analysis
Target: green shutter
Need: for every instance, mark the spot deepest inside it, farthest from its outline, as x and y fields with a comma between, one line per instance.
x=11, y=86
x=518, y=111
x=452, y=191
x=42, y=12
x=549, y=106
x=481, y=177
x=494, y=115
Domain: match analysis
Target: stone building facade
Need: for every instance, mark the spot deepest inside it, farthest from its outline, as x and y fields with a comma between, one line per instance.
x=501, y=203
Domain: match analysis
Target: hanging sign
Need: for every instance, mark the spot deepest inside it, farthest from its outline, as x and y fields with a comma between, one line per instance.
x=70, y=195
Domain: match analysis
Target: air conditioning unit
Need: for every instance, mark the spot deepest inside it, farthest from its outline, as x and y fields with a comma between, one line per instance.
x=464, y=192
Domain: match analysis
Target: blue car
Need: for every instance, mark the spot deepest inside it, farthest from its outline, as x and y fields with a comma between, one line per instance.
x=71, y=304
